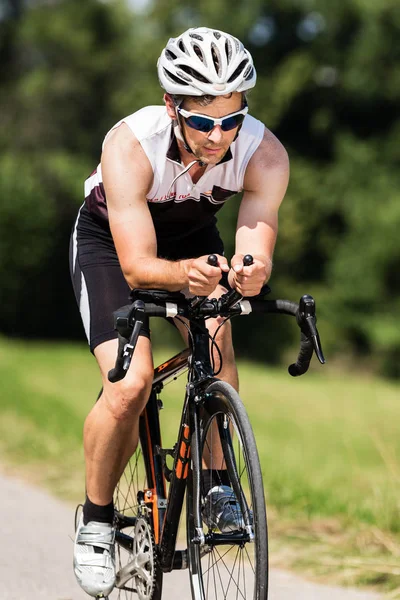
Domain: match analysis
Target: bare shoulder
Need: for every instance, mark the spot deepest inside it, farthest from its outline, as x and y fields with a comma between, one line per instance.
x=268, y=168
x=124, y=160
x=123, y=140
x=270, y=154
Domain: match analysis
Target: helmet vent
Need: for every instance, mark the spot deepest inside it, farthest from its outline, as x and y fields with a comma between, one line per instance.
x=173, y=78
x=193, y=73
x=216, y=58
x=170, y=55
x=217, y=34
x=238, y=71
x=184, y=76
x=248, y=74
x=199, y=52
x=182, y=47
x=196, y=36
x=228, y=50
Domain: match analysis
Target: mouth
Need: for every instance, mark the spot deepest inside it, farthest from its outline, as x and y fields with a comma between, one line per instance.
x=212, y=150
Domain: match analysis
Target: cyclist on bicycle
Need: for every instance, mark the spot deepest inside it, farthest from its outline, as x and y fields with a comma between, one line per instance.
x=148, y=221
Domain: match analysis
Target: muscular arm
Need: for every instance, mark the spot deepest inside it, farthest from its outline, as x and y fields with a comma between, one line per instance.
x=265, y=185
x=127, y=178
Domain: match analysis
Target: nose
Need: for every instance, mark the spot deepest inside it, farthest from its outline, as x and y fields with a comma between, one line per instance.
x=216, y=134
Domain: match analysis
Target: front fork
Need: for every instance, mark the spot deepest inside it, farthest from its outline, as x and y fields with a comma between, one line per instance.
x=196, y=471
x=204, y=375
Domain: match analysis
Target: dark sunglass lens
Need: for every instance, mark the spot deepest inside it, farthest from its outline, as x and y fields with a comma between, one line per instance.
x=200, y=123
x=232, y=122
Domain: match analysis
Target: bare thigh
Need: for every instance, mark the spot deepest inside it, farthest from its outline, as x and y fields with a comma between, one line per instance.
x=123, y=396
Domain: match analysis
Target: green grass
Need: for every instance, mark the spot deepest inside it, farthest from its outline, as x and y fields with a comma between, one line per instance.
x=329, y=447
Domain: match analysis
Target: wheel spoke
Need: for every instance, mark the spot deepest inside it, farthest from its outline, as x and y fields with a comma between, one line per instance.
x=239, y=569
x=146, y=570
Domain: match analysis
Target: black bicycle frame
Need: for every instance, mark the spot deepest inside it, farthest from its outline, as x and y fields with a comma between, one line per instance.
x=166, y=512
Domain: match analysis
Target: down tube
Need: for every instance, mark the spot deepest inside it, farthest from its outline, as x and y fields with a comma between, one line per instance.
x=150, y=437
x=176, y=493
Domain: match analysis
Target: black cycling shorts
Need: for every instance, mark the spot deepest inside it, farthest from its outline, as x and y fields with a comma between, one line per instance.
x=99, y=284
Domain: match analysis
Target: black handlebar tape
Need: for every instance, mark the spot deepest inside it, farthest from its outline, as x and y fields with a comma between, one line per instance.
x=303, y=360
x=154, y=310
x=285, y=307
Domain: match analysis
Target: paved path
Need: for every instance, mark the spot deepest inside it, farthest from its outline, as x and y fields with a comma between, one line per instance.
x=36, y=555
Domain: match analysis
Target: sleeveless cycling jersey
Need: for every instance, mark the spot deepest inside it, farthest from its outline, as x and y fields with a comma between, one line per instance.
x=184, y=207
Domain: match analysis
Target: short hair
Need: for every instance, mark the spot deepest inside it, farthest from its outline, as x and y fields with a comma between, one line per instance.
x=203, y=100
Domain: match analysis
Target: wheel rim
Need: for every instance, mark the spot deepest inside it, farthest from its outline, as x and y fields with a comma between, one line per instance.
x=228, y=570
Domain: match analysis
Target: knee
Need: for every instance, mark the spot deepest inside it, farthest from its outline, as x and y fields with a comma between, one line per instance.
x=222, y=336
x=128, y=397
x=223, y=340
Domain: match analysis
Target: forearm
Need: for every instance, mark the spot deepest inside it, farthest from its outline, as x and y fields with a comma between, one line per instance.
x=267, y=261
x=158, y=273
x=259, y=243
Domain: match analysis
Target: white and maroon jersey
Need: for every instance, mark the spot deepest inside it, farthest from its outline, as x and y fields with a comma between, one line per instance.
x=185, y=206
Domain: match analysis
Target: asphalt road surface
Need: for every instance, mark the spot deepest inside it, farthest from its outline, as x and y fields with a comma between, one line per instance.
x=36, y=555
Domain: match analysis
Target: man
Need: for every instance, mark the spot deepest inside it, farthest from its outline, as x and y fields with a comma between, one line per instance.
x=149, y=222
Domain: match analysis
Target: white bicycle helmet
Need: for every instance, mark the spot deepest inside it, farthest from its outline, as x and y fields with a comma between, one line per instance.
x=205, y=61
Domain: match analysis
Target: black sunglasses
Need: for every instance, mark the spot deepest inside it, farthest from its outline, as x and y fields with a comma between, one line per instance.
x=206, y=124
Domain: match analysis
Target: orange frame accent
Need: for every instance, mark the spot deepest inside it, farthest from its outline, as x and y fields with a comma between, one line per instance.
x=182, y=466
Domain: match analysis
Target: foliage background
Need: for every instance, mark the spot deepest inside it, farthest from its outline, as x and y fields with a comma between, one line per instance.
x=328, y=87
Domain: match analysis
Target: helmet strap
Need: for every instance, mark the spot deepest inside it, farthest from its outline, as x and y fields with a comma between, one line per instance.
x=178, y=130
x=237, y=133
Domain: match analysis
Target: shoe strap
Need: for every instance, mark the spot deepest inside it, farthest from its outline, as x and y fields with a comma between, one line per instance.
x=97, y=535
x=85, y=559
x=220, y=496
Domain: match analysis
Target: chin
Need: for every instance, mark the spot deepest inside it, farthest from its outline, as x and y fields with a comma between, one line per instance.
x=211, y=159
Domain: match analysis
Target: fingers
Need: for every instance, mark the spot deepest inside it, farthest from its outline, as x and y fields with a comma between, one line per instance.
x=204, y=278
x=237, y=263
x=247, y=280
x=223, y=263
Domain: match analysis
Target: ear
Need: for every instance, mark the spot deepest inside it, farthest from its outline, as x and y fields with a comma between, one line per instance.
x=170, y=106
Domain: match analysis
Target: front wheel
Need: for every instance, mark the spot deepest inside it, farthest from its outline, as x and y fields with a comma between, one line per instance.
x=233, y=561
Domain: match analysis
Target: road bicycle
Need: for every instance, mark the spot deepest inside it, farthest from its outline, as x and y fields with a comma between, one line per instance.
x=215, y=443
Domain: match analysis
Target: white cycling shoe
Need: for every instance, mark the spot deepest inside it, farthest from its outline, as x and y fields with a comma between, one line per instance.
x=94, y=558
x=222, y=510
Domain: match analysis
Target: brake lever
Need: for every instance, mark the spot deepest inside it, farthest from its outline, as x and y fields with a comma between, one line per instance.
x=307, y=321
x=129, y=348
x=123, y=324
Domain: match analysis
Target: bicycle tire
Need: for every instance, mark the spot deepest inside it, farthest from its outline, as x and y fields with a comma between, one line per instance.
x=218, y=572
x=134, y=481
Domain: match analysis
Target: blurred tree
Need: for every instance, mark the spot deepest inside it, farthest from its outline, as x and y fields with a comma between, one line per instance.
x=59, y=95
x=328, y=86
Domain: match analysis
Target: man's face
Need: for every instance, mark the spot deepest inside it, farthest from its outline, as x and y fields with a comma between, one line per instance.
x=211, y=147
